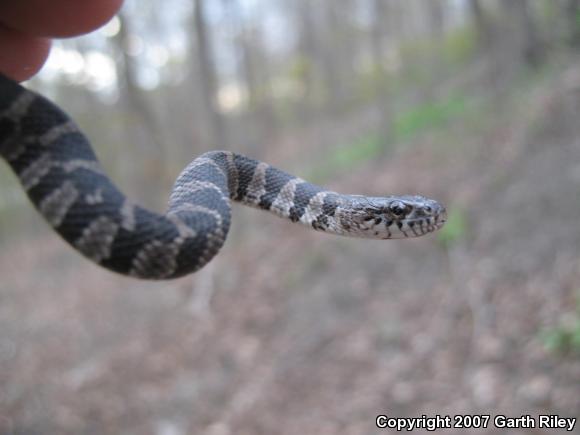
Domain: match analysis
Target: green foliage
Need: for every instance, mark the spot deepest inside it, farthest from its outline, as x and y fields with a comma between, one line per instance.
x=300, y=69
x=425, y=60
x=364, y=149
x=407, y=124
x=455, y=229
x=427, y=116
x=373, y=81
x=564, y=338
x=347, y=157
x=459, y=45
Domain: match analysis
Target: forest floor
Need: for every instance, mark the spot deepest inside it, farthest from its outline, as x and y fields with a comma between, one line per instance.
x=290, y=332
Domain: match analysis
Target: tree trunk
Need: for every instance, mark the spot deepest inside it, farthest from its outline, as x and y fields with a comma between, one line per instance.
x=436, y=17
x=258, y=121
x=217, y=136
x=572, y=11
x=378, y=35
x=525, y=37
x=307, y=48
x=145, y=134
x=337, y=53
x=483, y=27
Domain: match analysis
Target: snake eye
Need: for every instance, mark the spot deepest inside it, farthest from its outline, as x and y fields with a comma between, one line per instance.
x=397, y=208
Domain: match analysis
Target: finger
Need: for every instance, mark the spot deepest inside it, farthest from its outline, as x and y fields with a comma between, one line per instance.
x=21, y=56
x=57, y=18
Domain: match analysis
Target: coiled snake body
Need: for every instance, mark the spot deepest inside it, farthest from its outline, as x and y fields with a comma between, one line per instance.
x=60, y=173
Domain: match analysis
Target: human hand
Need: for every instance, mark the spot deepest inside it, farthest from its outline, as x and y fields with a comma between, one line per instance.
x=27, y=26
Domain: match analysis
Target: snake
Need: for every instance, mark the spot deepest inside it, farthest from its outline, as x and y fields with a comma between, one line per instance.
x=59, y=171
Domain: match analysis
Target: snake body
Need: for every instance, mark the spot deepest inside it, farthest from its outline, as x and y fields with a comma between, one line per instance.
x=61, y=174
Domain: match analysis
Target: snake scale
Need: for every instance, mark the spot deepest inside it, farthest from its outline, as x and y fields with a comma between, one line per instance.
x=61, y=174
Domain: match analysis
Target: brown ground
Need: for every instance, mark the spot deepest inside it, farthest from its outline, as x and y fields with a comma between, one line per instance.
x=289, y=331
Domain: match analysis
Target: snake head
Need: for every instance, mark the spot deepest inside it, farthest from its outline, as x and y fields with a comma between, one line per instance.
x=398, y=217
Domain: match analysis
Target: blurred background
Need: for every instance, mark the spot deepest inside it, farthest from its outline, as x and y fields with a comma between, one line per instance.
x=473, y=102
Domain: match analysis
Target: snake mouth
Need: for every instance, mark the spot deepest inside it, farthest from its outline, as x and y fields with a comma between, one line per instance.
x=416, y=227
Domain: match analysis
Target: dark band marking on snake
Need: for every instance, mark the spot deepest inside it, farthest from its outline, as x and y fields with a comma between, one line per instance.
x=58, y=169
